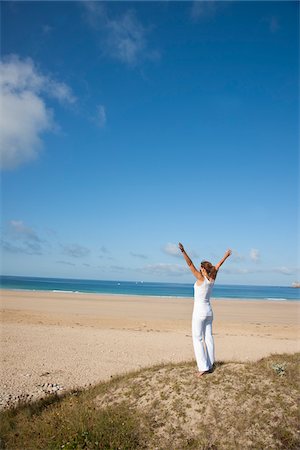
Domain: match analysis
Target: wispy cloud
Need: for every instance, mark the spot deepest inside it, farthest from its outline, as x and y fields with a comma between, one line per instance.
x=118, y=268
x=285, y=270
x=162, y=269
x=139, y=255
x=104, y=253
x=100, y=118
x=123, y=38
x=29, y=242
x=26, y=247
x=250, y=270
x=204, y=9
x=47, y=29
x=95, y=13
x=19, y=230
x=236, y=257
x=75, y=250
x=171, y=249
x=273, y=24
x=239, y=270
x=126, y=38
x=23, y=109
x=66, y=263
x=255, y=255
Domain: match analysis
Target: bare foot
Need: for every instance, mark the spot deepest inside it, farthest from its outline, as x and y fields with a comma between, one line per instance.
x=199, y=374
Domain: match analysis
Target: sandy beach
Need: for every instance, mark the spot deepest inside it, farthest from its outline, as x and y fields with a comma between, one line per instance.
x=73, y=340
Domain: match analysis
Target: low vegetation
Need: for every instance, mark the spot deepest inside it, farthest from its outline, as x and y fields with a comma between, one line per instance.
x=238, y=406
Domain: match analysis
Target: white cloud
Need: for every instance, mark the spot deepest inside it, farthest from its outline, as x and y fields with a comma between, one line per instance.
x=24, y=117
x=19, y=75
x=24, y=113
x=255, y=255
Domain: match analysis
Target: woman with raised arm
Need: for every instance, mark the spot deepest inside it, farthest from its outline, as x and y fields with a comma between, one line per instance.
x=203, y=340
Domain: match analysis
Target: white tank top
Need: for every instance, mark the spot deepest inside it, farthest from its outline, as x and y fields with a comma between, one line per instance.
x=202, y=295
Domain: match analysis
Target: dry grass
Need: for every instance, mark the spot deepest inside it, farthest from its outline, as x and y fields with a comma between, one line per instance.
x=238, y=406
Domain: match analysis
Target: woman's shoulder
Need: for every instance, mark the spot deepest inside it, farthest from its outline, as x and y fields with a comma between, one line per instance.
x=211, y=280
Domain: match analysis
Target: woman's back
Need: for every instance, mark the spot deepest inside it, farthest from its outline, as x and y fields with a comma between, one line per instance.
x=203, y=291
x=202, y=294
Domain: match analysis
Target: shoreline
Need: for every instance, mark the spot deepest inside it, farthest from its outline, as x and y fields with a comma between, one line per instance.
x=108, y=294
x=74, y=340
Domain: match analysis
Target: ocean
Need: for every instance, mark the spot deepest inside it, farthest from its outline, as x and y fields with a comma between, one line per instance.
x=271, y=293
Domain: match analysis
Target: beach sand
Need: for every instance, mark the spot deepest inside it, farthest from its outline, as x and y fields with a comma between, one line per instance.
x=73, y=340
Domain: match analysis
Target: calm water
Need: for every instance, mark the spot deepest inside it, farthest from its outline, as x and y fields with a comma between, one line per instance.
x=145, y=288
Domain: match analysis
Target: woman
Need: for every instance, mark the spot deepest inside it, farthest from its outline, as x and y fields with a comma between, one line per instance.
x=203, y=340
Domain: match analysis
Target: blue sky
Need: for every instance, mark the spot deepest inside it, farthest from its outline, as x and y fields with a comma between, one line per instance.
x=130, y=126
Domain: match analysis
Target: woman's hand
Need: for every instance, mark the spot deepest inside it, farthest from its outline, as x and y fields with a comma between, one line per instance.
x=181, y=247
x=228, y=253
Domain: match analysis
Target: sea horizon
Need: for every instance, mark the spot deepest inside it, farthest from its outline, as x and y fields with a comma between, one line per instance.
x=146, y=288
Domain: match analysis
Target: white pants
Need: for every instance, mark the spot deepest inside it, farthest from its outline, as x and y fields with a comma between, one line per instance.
x=203, y=341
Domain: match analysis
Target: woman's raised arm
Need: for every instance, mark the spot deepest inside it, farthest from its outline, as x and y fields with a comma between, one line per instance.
x=189, y=262
x=227, y=254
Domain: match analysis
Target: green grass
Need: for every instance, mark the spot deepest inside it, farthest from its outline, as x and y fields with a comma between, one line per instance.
x=239, y=405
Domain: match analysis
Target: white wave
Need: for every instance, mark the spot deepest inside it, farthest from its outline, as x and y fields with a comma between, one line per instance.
x=66, y=292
